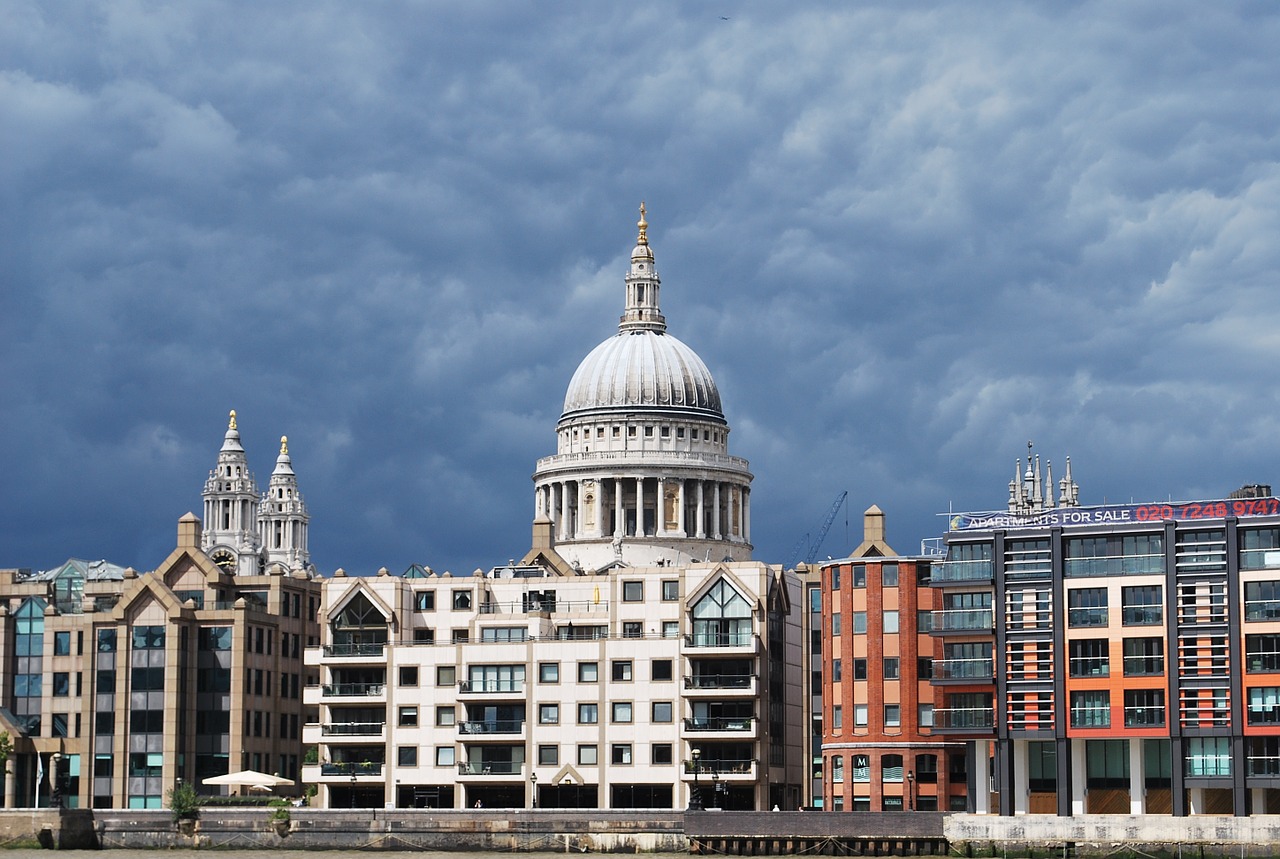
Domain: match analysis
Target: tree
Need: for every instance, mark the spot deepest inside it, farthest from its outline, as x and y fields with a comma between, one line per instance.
x=184, y=802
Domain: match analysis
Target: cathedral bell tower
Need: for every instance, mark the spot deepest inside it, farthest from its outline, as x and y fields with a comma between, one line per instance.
x=231, y=537
x=284, y=516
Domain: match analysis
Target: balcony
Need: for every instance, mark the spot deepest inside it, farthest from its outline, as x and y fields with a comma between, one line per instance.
x=1144, y=716
x=1263, y=766
x=721, y=724
x=505, y=728
x=364, y=650
x=720, y=684
x=706, y=771
x=491, y=687
x=964, y=720
x=973, y=670
x=1262, y=610
x=360, y=691
x=963, y=620
x=491, y=769
x=350, y=769
x=353, y=729
x=740, y=640
x=951, y=572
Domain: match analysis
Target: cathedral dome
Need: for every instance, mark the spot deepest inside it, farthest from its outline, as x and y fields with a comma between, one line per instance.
x=643, y=369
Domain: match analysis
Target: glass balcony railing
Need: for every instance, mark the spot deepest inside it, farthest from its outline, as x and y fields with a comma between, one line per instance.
x=719, y=723
x=718, y=681
x=963, y=620
x=490, y=768
x=963, y=571
x=352, y=769
x=361, y=649
x=352, y=690
x=352, y=729
x=492, y=726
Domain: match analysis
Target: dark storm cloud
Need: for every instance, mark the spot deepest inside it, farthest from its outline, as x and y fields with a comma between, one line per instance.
x=905, y=240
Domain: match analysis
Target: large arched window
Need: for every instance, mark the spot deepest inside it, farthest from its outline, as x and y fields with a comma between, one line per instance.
x=359, y=624
x=722, y=618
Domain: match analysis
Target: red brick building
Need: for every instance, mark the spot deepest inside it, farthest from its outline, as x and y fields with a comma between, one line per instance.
x=878, y=749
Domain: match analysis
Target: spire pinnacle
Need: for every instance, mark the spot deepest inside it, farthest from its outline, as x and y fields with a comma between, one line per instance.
x=284, y=444
x=232, y=423
x=644, y=227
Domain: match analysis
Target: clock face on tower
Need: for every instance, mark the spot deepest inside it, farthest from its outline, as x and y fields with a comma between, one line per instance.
x=225, y=559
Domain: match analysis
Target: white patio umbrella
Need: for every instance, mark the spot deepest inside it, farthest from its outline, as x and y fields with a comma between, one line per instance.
x=248, y=778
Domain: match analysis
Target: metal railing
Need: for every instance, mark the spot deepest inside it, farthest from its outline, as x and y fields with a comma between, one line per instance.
x=351, y=768
x=973, y=668
x=718, y=681
x=473, y=687
x=492, y=726
x=963, y=571
x=362, y=649
x=731, y=766
x=964, y=718
x=490, y=768
x=720, y=639
x=955, y=620
x=720, y=723
x=353, y=690
x=352, y=729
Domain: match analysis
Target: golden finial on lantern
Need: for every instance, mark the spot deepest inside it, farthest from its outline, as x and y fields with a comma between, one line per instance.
x=643, y=225
x=284, y=445
x=232, y=424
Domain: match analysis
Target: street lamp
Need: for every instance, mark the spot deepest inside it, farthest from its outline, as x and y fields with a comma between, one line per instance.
x=533, y=777
x=695, y=795
x=911, y=791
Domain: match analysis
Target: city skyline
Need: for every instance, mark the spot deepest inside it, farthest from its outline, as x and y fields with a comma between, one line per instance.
x=904, y=243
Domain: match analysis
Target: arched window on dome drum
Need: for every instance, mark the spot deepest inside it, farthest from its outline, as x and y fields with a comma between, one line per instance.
x=359, y=623
x=722, y=618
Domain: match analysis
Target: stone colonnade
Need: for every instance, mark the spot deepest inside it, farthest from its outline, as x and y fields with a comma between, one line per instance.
x=634, y=506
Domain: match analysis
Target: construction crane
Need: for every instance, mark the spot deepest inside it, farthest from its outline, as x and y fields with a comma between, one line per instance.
x=822, y=535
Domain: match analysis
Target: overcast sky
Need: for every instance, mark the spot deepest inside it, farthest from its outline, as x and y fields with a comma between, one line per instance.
x=905, y=238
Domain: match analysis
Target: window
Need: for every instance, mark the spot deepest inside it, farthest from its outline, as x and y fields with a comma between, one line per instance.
x=460, y=636
x=722, y=618
x=1143, y=656
x=548, y=672
x=588, y=672
x=662, y=712
x=424, y=600
x=660, y=754
x=1262, y=600
x=621, y=754
x=62, y=682
x=889, y=575
x=59, y=725
x=588, y=755
x=622, y=712
x=588, y=714
x=660, y=670
x=1208, y=756
x=632, y=629
x=835, y=578
x=408, y=675
x=1087, y=607
x=1091, y=709
x=924, y=667
x=1143, y=708
x=446, y=716
x=837, y=768
x=859, y=715
x=925, y=715
x=859, y=669
x=422, y=635
x=1261, y=653
x=836, y=623
x=1114, y=555
x=408, y=717
x=444, y=756
x=1264, y=705
x=407, y=756
x=1259, y=548
x=892, y=715
x=891, y=668
x=859, y=575
x=837, y=671
x=548, y=755
x=670, y=590
x=1089, y=658
x=1142, y=605
x=462, y=600
x=861, y=766
x=62, y=643
x=548, y=714
x=633, y=591
x=671, y=629
x=446, y=675
x=504, y=634
x=891, y=768
x=837, y=717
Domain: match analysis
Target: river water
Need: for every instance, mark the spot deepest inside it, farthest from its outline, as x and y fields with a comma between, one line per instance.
x=282, y=854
